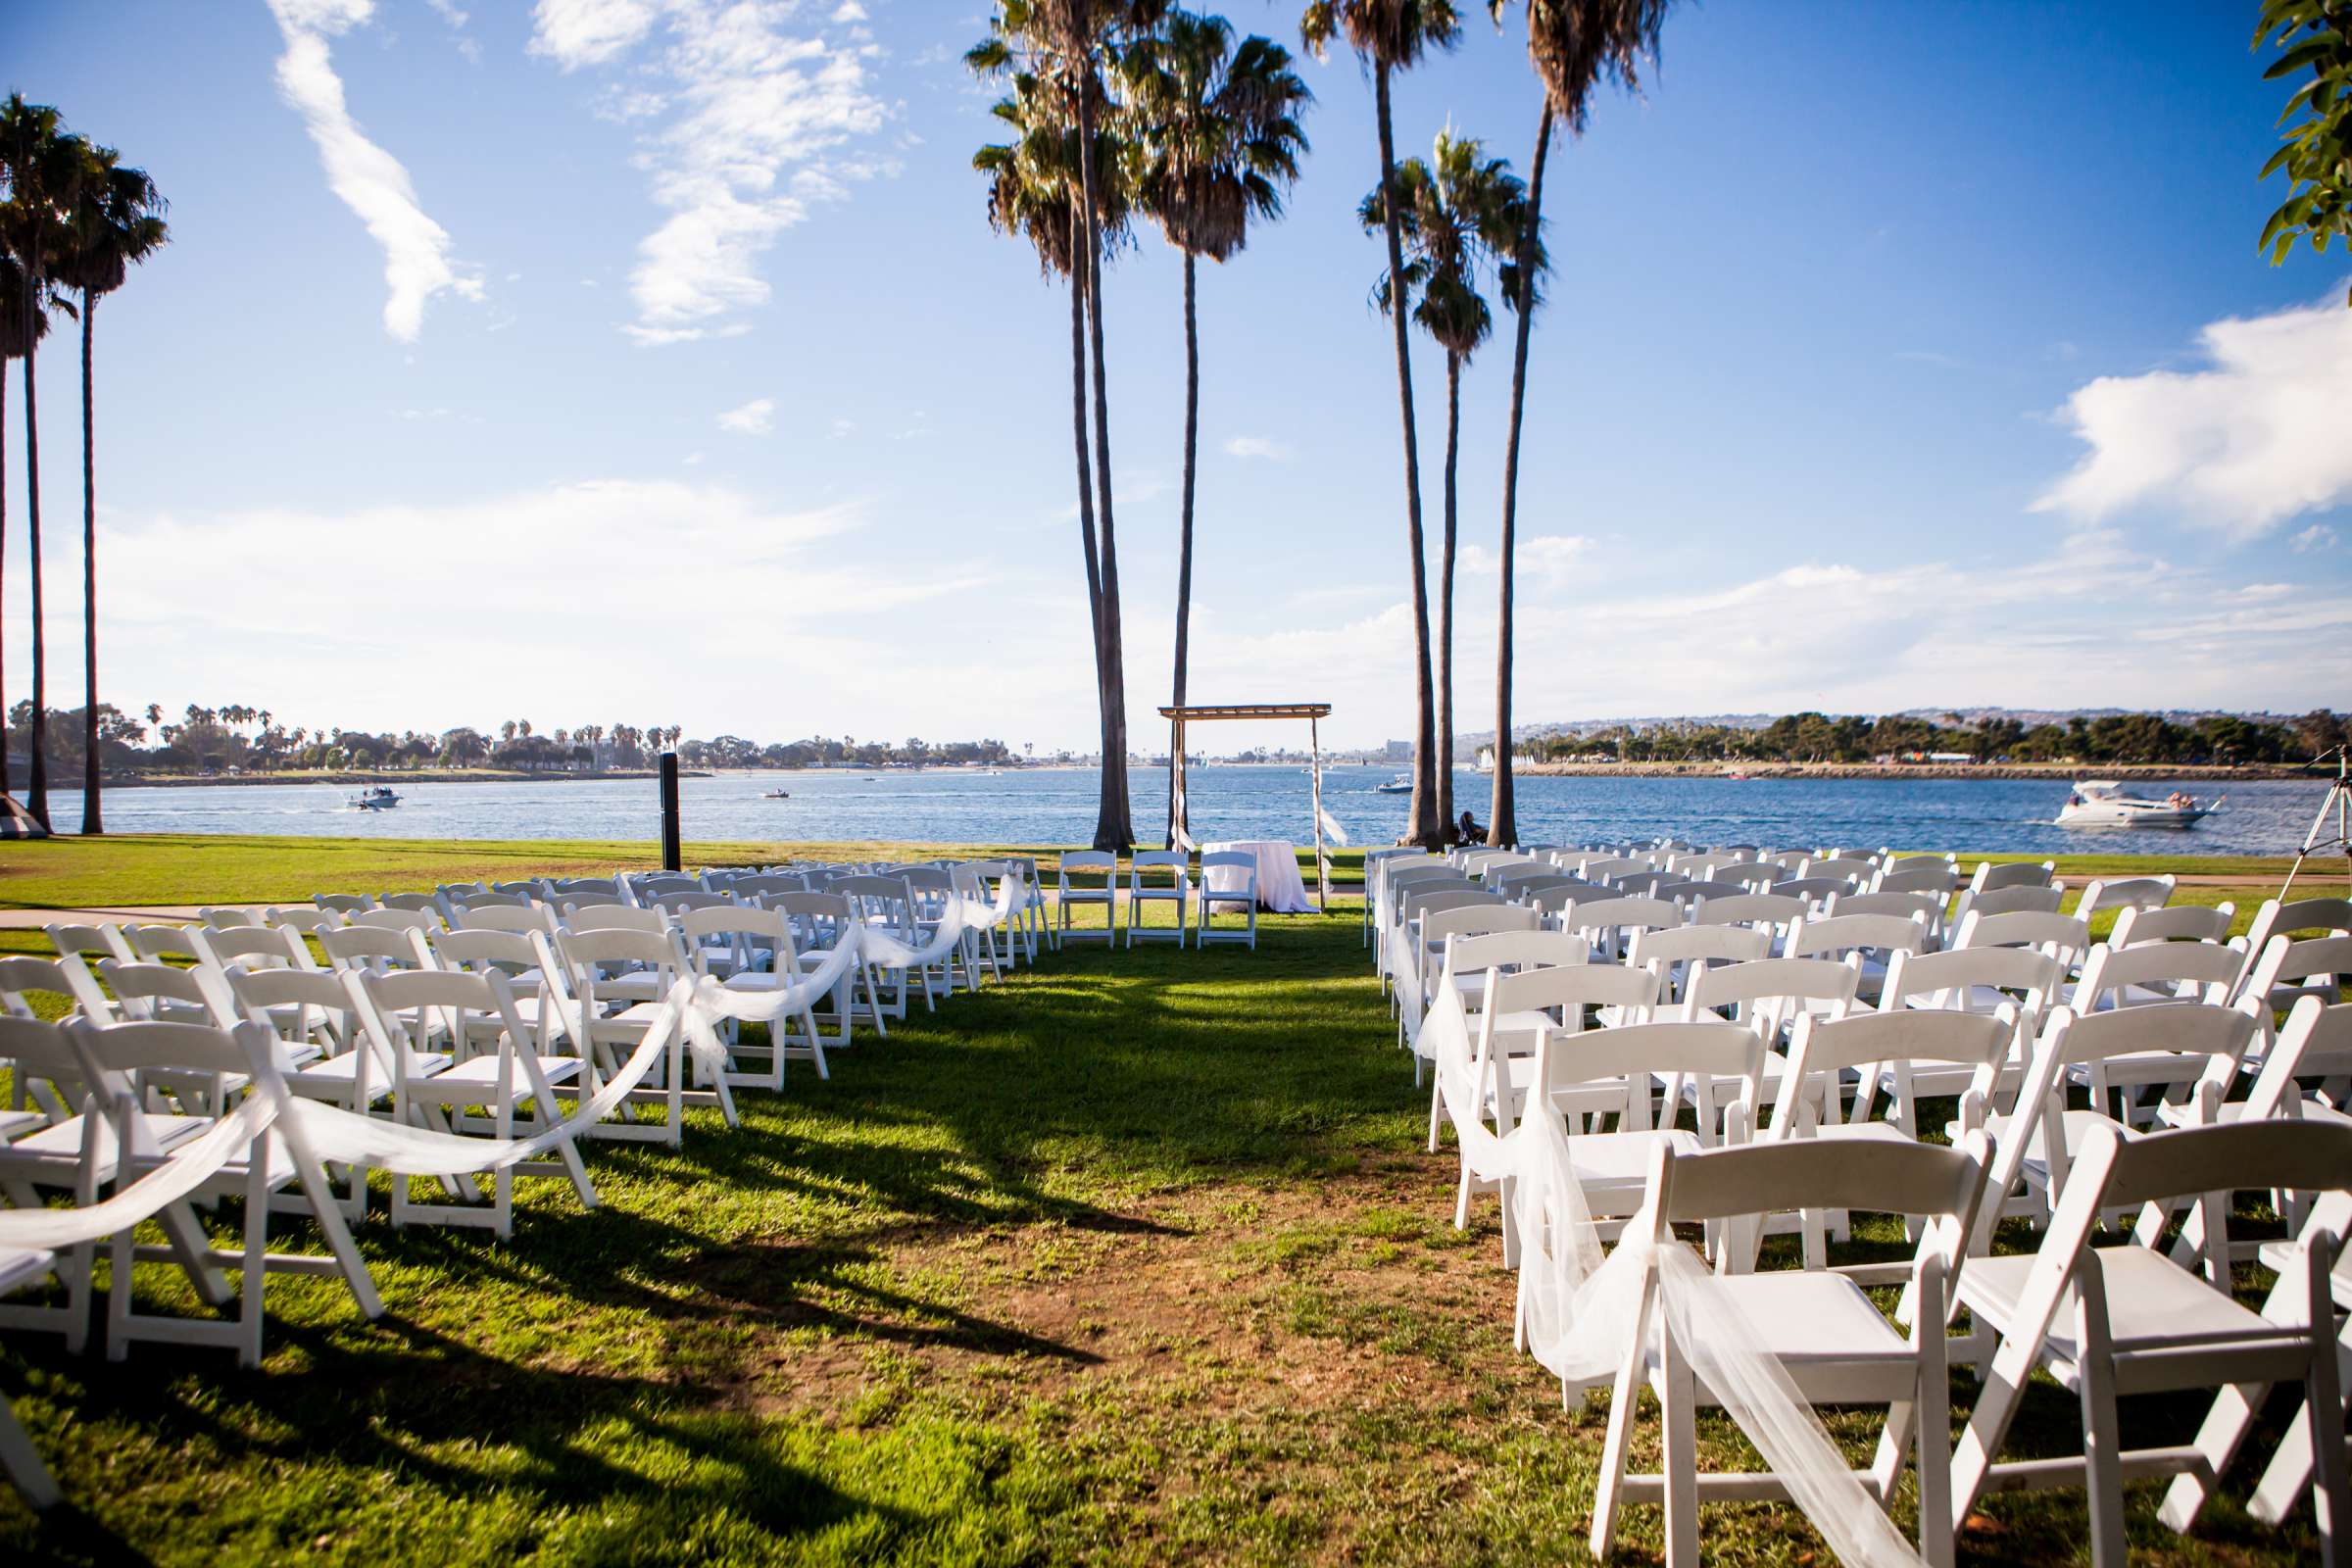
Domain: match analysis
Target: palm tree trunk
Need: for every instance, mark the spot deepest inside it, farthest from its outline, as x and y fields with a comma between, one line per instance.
x=1114, y=827
x=4, y=782
x=1453, y=443
x=1086, y=482
x=93, y=819
x=1426, y=828
x=1503, y=818
x=1184, y=532
x=36, y=778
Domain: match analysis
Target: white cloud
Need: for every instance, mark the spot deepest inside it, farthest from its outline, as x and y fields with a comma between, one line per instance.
x=849, y=10
x=755, y=119
x=1546, y=561
x=1256, y=446
x=756, y=417
x=2254, y=438
x=368, y=179
x=2319, y=536
x=180, y=610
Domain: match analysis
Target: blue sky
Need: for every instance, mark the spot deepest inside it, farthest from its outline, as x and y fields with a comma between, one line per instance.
x=650, y=360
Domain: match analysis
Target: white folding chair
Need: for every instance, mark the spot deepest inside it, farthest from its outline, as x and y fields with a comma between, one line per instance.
x=1147, y=885
x=1071, y=891
x=1239, y=873
x=2109, y=1321
x=1835, y=1346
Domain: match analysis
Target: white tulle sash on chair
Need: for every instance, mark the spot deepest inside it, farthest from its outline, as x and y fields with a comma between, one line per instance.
x=1579, y=1308
x=960, y=915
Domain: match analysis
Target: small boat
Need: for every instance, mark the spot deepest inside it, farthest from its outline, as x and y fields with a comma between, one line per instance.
x=1736, y=775
x=374, y=798
x=776, y=795
x=2102, y=803
x=1401, y=784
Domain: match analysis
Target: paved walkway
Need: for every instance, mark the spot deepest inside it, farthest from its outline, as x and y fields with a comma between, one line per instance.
x=124, y=914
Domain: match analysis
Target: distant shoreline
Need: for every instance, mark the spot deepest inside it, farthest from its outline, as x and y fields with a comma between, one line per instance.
x=2053, y=773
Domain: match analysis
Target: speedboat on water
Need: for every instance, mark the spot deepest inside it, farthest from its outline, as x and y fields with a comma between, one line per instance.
x=374, y=798
x=2102, y=803
x=1401, y=784
x=776, y=794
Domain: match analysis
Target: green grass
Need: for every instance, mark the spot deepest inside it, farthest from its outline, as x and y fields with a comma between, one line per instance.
x=1133, y=1259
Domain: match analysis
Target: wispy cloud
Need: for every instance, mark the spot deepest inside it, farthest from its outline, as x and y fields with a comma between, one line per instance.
x=1544, y=561
x=368, y=179
x=1256, y=446
x=2251, y=440
x=2319, y=536
x=756, y=417
x=750, y=120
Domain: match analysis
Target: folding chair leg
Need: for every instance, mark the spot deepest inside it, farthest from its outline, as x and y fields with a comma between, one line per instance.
x=23, y=1463
x=2323, y=1419
x=2102, y=1438
x=2289, y=1470
x=1611, y=1482
x=1435, y=1103
x=1679, y=1417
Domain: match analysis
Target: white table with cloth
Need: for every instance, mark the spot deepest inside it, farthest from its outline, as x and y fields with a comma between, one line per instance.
x=1280, y=888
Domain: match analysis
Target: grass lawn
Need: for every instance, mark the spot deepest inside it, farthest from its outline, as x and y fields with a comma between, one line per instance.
x=1134, y=1257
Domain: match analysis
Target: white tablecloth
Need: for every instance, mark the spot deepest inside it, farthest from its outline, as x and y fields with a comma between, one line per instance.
x=1280, y=888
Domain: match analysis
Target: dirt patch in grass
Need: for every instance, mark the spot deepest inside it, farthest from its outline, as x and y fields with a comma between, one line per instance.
x=1354, y=1292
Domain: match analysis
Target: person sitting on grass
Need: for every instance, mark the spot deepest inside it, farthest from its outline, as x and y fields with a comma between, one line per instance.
x=1469, y=831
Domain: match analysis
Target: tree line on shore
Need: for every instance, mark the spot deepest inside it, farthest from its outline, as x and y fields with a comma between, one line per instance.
x=2129, y=738
x=253, y=740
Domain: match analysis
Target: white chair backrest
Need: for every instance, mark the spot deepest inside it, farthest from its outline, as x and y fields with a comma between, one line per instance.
x=1833, y=936
x=138, y=987
x=1706, y=1053
x=611, y=917
x=64, y=975
x=2167, y=971
x=1765, y=910
x=343, y=903
x=297, y=918
x=520, y=915
x=1929, y=907
x=254, y=947
x=2007, y=901
x=2025, y=976
x=374, y=948
x=2124, y=893
x=2179, y=922
x=1094, y=868
x=1526, y=949
x=417, y=903
x=159, y=941
x=2062, y=935
x=418, y=920
x=1674, y=946
x=1991, y=878
x=219, y=917
x=1838, y=1045
x=1771, y=992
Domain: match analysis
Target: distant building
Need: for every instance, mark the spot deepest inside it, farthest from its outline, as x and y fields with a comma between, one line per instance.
x=1397, y=751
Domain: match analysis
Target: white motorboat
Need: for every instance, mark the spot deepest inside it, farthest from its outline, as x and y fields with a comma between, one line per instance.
x=2102, y=803
x=1401, y=784
x=374, y=798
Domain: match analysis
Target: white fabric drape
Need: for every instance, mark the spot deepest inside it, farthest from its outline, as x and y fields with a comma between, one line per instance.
x=1580, y=1308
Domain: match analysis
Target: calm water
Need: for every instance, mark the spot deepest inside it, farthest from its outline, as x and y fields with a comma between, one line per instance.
x=1057, y=806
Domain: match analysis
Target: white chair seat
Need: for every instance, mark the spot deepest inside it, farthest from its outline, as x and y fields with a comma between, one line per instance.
x=16, y=1123
x=1621, y=1162
x=476, y=1081
x=2276, y=1256
x=1807, y=1316
x=57, y=1150
x=2150, y=1300
x=2184, y=1116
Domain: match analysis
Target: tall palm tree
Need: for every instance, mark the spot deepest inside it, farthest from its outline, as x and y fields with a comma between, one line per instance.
x=1573, y=45
x=117, y=221
x=14, y=321
x=1392, y=35
x=41, y=162
x=1066, y=45
x=1459, y=216
x=1218, y=141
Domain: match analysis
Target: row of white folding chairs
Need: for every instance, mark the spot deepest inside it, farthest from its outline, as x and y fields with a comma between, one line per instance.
x=1091, y=879
x=1638, y=1054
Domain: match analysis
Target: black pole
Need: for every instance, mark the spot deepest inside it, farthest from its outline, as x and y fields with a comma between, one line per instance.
x=671, y=853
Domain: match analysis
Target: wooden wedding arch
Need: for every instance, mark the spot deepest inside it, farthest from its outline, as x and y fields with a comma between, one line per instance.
x=1179, y=838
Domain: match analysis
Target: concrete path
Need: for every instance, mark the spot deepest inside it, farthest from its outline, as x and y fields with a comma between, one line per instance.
x=124, y=914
